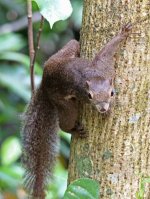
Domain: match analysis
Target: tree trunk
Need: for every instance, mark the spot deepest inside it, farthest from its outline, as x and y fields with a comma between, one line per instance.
x=117, y=151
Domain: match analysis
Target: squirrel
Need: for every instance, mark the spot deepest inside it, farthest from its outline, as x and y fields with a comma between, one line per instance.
x=67, y=79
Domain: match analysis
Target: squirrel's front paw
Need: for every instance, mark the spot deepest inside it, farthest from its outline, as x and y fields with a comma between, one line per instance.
x=126, y=29
x=79, y=130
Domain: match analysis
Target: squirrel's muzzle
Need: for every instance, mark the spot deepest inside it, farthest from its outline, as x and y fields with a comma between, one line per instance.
x=102, y=107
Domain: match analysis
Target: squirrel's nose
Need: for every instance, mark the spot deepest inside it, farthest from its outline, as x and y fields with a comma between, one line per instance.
x=103, y=110
x=102, y=107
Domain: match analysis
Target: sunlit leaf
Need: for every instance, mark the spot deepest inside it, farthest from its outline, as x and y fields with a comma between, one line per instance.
x=10, y=150
x=54, y=10
x=82, y=188
x=64, y=144
x=14, y=170
x=57, y=188
x=18, y=57
x=146, y=180
x=8, y=181
x=65, y=136
x=14, y=81
x=142, y=184
x=11, y=41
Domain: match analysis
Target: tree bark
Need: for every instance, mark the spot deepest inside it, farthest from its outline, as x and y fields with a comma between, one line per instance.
x=117, y=150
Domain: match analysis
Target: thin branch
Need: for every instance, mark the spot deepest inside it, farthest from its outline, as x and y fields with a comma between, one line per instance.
x=38, y=40
x=31, y=44
x=32, y=51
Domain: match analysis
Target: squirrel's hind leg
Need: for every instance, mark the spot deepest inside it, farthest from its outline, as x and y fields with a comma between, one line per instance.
x=70, y=50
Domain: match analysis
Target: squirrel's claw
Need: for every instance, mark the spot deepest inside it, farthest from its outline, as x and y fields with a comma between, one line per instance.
x=79, y=130
x=126, y=29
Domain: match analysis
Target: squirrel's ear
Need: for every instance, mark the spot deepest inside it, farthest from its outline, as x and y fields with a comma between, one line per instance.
x=87, y=83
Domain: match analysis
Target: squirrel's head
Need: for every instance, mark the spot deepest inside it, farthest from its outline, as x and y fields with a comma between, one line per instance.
x=100, y=93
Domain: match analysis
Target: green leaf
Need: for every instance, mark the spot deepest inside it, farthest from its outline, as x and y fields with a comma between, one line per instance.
x=82, y=188
x=11, y=176
x=57, y=187
x=14, y=171
x=11, y=41
x=10, y=150
x=146, y=180
x=7, y=181
x=140, y=193
x=65, y=136
x=18, y=57
x=14, y=78
x=54, y=10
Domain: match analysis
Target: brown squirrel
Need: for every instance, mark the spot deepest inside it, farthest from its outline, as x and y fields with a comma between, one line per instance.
x=67, y=79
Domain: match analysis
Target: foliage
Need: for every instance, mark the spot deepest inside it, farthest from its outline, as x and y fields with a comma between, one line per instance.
x=15, y=92
x=140, y=193
x=52, y=10
x=83, y=188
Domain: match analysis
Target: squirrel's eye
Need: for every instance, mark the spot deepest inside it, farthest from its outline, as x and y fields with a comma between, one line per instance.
x=112, y=93
x=89, y=95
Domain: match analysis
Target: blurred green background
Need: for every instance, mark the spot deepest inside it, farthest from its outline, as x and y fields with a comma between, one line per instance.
x=15, y=90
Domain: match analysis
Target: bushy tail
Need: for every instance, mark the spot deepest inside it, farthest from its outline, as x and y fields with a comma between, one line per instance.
x=39, y=141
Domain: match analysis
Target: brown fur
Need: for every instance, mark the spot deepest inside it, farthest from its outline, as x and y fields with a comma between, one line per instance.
x=67, y=79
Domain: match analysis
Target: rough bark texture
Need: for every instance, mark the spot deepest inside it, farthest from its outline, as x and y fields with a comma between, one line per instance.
x=117, y=151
